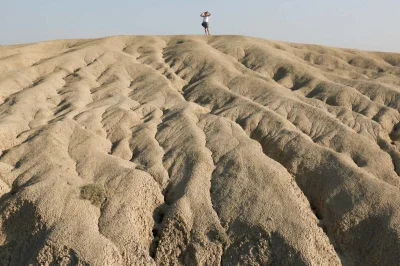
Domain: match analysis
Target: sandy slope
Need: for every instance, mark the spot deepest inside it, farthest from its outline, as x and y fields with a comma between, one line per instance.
x=198, y=151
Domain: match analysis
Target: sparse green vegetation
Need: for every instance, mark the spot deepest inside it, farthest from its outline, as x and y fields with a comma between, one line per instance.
x=222, y=237
x=95, y=193
x=140, y=167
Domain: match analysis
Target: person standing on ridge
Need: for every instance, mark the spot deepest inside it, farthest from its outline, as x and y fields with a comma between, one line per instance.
x=205, y=16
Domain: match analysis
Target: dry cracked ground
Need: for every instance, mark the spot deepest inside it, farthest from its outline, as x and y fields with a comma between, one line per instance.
x=191, y=150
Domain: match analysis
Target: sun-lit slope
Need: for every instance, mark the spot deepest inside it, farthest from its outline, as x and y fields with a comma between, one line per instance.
x=198, y=151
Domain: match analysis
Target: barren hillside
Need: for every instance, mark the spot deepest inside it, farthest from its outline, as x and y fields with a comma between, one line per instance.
x=194, y=150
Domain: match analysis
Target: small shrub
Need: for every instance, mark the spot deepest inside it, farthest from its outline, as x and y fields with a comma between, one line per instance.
x=221, y=237
x=140, y=167
x=95, y=193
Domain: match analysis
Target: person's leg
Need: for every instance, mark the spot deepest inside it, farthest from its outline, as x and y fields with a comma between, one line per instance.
x=205, y=27
x=208, y=30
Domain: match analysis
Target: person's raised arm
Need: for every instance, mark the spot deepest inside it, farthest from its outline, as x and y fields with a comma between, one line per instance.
x=202, y=14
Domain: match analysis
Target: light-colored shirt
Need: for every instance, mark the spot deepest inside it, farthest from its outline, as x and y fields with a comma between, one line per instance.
x=205, y=19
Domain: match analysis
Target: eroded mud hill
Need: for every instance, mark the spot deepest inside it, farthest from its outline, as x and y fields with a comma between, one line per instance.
x=198, y=151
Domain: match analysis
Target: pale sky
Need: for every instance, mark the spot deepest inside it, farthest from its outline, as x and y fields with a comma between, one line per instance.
x=362, y=24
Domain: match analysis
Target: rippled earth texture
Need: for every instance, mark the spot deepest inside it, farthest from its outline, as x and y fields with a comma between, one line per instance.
x=192, y=150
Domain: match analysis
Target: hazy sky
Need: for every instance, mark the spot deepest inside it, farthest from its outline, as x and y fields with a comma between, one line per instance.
x=363, y=24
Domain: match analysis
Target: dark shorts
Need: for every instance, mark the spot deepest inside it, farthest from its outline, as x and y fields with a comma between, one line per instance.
x=204, y=24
